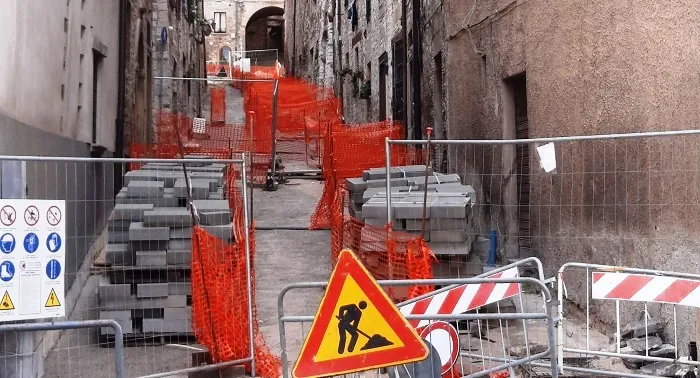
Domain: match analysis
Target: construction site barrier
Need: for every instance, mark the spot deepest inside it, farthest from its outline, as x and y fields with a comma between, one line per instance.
x=218, y=106
x=194, y=291
x=647, y=344
x=493, y=342
x=617, y=199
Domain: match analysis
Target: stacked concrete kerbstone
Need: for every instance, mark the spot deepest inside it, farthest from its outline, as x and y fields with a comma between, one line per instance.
x=449, y=220
x=146, y=287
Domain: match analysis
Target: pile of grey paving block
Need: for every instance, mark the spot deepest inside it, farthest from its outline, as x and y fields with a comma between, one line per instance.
x=146, y=285
x=448, y=215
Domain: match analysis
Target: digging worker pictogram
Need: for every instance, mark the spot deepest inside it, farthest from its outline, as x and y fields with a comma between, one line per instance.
x=349, y=320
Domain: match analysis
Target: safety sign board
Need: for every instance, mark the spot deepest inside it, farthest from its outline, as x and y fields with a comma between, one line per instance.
x=32, y=259
x=356, y=327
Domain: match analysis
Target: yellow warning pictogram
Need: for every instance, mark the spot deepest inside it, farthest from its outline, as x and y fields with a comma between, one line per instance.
x=356, y=327
x=6, y=302
x=52, y=301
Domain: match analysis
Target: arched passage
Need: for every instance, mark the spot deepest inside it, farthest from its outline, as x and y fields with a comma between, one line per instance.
x=265, y=30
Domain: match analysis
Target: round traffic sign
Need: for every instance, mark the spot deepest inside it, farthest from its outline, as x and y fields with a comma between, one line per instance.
x=7, y=271
x=31, y=215
x=53, y=242
x=53, y=215
x=31, y=242
x=8, y=215
x=7, y=243
x=53, y=269
x=444, y=337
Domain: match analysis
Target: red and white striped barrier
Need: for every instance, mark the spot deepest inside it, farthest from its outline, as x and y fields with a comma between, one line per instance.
x=646, y=288
x=463, y=298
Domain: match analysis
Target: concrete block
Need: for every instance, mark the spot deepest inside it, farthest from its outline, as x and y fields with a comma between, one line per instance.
x=123, y=315
x=152, y=290
x=438, y=224
x=130, y=212
x=109, y=291
x=134, y=303
x=215, y=218
x=184, y=313
x=224, y=232
x=180, y=244
x=448, y=236
x=215, y=196
x=168, y=217
x=180, y=288
x=179, y=256
x=408, y=209
x=118, y=225
x=200, y=188
x=435, y=178
x=148, y=245
x=211, y=205
x=117, y=237
x=376, y=222
x=374, y=209
x=151, y=258
x=426, y=234
x=396, y=172
x=181, y=233
x=162, y=325
x=138, y=232
x=141, y=189
x=382, y=183
x=166, y=201
x=126, y=325
x=358, y=197
x=450, y=249
x=455, y=209
x=119, y=254
x=356, y=184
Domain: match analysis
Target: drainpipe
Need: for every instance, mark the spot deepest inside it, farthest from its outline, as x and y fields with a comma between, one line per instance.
x=294, y=38
x=121, y=92
x=417, y=57
x=404, y=74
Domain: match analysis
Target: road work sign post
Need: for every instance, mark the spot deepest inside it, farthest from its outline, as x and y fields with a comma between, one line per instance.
x=356, y=327
x=32, y=259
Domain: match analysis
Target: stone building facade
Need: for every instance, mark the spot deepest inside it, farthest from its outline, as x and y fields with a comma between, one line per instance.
x=507, y=69
x=138, y=111
x=249, y=25
x=178, y=52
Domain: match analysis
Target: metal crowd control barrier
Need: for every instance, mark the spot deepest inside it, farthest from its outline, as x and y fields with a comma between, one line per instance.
x=476, y=358
x=625, y=291
x=130, y=280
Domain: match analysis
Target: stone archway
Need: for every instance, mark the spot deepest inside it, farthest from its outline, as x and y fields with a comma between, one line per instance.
x=265, y=30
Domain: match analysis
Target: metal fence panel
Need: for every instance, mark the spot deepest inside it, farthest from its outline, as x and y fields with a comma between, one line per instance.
x=490, y=339
x=128, y=256
x=616, y=199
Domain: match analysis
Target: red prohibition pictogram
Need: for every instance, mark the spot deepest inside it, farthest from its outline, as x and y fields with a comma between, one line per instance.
x=53, y=215
x=31, y=215
x=8, y=215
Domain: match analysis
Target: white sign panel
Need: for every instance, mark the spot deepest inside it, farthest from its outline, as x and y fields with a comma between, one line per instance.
x=32, y=259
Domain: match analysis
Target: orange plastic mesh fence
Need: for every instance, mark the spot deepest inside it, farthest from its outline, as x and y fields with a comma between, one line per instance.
x=388, y=255
x=219, y=294
x=349, y=150
x=214, y=69
x=304, y=111
x=218, y=106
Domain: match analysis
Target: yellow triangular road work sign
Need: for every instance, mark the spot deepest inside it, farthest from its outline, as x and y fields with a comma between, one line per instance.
x=6, y=302
x=52, y=301
x=356, y=327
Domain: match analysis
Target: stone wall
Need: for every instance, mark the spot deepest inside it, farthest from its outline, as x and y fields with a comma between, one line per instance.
x=180, y=56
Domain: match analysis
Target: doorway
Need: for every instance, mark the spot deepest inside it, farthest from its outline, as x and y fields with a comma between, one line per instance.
x=383, y=73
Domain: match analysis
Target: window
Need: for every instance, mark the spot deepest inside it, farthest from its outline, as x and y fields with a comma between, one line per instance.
x=224, y=54
x=219, y=22
x=368, y=10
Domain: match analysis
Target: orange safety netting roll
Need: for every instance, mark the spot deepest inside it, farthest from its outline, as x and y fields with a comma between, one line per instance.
x=218, y=106
x=220, y=312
